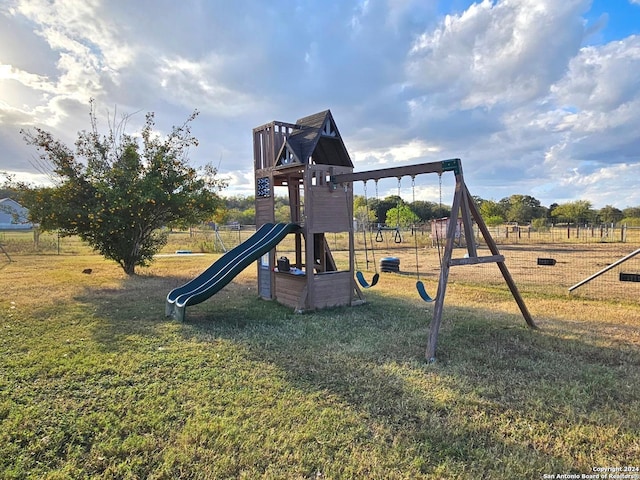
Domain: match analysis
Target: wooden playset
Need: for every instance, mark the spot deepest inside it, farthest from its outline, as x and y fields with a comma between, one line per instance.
x=310, y=159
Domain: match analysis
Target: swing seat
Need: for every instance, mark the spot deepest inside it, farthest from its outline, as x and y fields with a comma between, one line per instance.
x=363, y=282
x=423, y=292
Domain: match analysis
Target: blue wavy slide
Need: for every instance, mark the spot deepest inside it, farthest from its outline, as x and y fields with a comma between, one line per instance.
x=223, y=270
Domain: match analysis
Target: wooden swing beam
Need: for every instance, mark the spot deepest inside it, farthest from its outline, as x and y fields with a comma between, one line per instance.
x=398, y=172
x=464, y=206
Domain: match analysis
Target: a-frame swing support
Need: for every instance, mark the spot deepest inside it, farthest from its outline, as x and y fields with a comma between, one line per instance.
x=463, y=206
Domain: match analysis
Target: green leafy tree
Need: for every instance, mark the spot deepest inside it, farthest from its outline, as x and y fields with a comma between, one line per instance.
x=630, y=221
x=240, y=202
x=540, y=224
x=283, y=213
x=578, y=211
x=361, y=211
x=522, y=208
x=492, y=212
x=243, y=217
x=9, y=188
x=117, y=191
x=493, y=221
x=610, y=214
x=631, y=212
x=381, y=207
x=402, y=216
x=425, y=210
x=631, y=217
x=359, y=201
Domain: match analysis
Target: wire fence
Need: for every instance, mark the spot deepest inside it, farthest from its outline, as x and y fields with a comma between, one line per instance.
x=547, y=261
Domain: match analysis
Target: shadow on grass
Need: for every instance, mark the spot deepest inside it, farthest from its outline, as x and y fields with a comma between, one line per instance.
x=500, y=394
x=490, y=365
x=133, y=308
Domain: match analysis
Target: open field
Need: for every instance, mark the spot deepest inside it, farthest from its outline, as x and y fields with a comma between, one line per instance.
x=579, y=253
x=95, y=382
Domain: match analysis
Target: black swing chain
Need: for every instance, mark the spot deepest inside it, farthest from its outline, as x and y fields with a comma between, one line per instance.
x=415, y=232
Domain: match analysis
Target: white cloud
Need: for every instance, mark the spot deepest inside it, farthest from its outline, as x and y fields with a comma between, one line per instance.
x=14, y=116
x=504, y=52
x=602, y=78
x=407, y=152
x=194, y=83
x=29, y=80
x=598, y=185
x=601, y=93
x=87, y=49
x=240, y=183
x=31, y=178
x=519, y=89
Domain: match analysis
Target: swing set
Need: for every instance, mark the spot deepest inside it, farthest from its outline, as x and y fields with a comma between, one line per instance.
x=464, y=208
x=397, y=238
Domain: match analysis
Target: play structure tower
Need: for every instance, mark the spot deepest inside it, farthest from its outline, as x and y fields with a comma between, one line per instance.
x=303, y=157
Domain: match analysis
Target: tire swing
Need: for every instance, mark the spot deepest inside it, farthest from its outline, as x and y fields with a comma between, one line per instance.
x=359, y=275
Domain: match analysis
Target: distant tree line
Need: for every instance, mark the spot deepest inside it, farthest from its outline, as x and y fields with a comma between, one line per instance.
x=393, y=210
x=525, y=209
x=241, y=209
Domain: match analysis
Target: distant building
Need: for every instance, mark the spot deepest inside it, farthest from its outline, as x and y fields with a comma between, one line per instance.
x=440, y=227
x=13, y=216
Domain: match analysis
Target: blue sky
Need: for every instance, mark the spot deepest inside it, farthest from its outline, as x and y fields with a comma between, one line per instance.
x=537, y=97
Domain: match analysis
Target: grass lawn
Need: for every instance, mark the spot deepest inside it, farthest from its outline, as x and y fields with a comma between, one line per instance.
x=96, y=383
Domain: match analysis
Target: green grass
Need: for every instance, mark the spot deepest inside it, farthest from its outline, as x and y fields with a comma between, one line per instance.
x=96, y=383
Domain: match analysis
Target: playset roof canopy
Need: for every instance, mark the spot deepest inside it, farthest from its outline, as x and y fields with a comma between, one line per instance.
x=315, y=139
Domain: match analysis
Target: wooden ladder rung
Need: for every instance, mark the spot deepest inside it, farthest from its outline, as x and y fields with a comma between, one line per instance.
x=476, y=260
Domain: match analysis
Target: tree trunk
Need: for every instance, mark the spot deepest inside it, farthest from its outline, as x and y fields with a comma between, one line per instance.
x=129, y=267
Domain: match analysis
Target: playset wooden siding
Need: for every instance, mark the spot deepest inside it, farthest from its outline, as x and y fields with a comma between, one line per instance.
x=333, y=289
x=326, y=209
x=329, y=289
x=267, y=142
x=303, y=157
x=291, y=290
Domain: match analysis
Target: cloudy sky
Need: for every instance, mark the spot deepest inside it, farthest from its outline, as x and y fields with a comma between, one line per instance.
x=537, y=97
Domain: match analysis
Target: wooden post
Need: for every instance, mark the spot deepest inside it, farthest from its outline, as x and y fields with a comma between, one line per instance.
x=468, y=224
x=503, y=267
x=6, y=253
x=348, y=192
x=444, y=272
